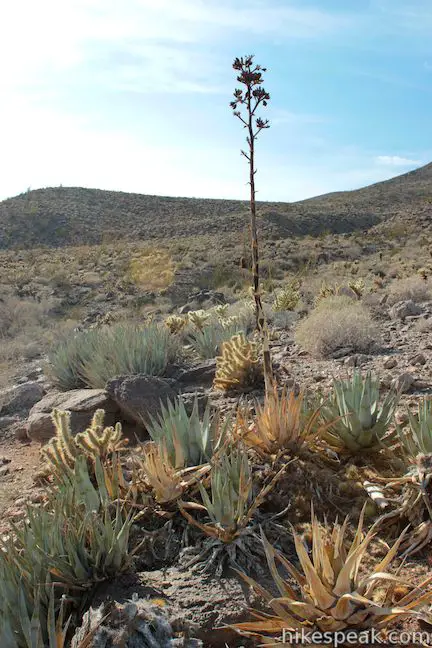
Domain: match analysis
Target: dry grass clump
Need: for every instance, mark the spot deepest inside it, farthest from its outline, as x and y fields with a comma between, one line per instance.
x=337, y=322
x=153, y=269
x=414, y=288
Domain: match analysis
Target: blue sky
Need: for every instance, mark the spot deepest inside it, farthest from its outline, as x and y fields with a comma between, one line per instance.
x=133, y=95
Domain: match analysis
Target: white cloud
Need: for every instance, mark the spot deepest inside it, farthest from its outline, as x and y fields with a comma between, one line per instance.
x=396, y=161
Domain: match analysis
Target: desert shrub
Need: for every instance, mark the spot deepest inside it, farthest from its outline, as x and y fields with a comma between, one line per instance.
x=414, y=288
x=91, y=358
x=17, y=315
x=335, y=323
x=153, y=269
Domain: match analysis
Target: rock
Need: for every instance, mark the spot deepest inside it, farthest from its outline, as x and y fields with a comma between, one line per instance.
x=418, y=359
x=202, y=374
x=390, y=363
x=20, y=398
x=356, y=360
x=187, y=308
x=7, y=422
x=81, y=403
x=341, y=353
x=189, y=398
x=403, y=382
x=4, y=470
x=139, y=397
x=405, y=308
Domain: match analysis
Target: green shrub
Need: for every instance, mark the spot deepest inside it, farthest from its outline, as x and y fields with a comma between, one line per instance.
x=337, y=322
x=91, y=358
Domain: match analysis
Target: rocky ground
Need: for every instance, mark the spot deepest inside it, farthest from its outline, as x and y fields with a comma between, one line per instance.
x=402, y=357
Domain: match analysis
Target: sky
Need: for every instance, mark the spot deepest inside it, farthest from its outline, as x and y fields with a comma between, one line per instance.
x=133, y=95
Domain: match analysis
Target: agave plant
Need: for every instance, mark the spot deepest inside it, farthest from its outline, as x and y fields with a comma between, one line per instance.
x=167, y=483
x=333, y=595
x=231, y=539
x=409, y=500
x=282, y=423
x=359, y=421
x=419, y=438
x=188, y=439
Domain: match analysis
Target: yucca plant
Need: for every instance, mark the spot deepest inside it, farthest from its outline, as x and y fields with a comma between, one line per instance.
x=283, y=423
x=231, y=539
x=359, y=421
x=333, y=594
x=188, y=440
x=419, y=438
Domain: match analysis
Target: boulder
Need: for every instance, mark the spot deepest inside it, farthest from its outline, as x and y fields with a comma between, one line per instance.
x=139, y=397
x=20, y=398
x=202, y=374
x=404, y=309
x=81, y=403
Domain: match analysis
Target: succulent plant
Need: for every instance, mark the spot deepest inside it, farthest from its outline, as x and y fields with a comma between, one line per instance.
x=176, y=323
x=419, y=438
x=288, y=297
x=356, y=420
x=198, y=318
x=238, y=367
x=282, y=423
x=189, y=440
x=333, y=594
x=207, y=342
x=59, y=455
x=167, y=483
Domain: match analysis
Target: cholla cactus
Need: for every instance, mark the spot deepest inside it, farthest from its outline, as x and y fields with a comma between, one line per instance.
x=61, y=452
x=176, y=323
x=326, y=290
x=198, y=318
x=238, y=366
x=288, y=298
x=221, y=312
x=358, y=287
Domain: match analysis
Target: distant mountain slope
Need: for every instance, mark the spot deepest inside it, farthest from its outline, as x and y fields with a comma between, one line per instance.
x=63, y=216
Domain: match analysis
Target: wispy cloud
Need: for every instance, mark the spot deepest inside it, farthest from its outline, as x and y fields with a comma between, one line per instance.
x=396, y=161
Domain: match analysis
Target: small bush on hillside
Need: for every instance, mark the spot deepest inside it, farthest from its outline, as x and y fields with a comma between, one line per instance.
x=91, y=358
x=17, y=315
x=414, y=288
x=335, y=323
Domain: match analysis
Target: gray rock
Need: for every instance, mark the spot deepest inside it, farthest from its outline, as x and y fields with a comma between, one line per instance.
x=390, y=363
x=140, y=397
x=356, y=360
x=342, y=353
x=404, y=309
x=418, y=359
x=20, y=398
x=403, y=382
x=202, y=374
x=81, y=403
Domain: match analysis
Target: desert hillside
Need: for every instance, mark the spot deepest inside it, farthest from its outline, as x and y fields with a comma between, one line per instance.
x=64, y=216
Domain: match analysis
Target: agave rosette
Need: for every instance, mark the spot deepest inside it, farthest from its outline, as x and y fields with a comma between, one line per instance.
x=331, y=595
